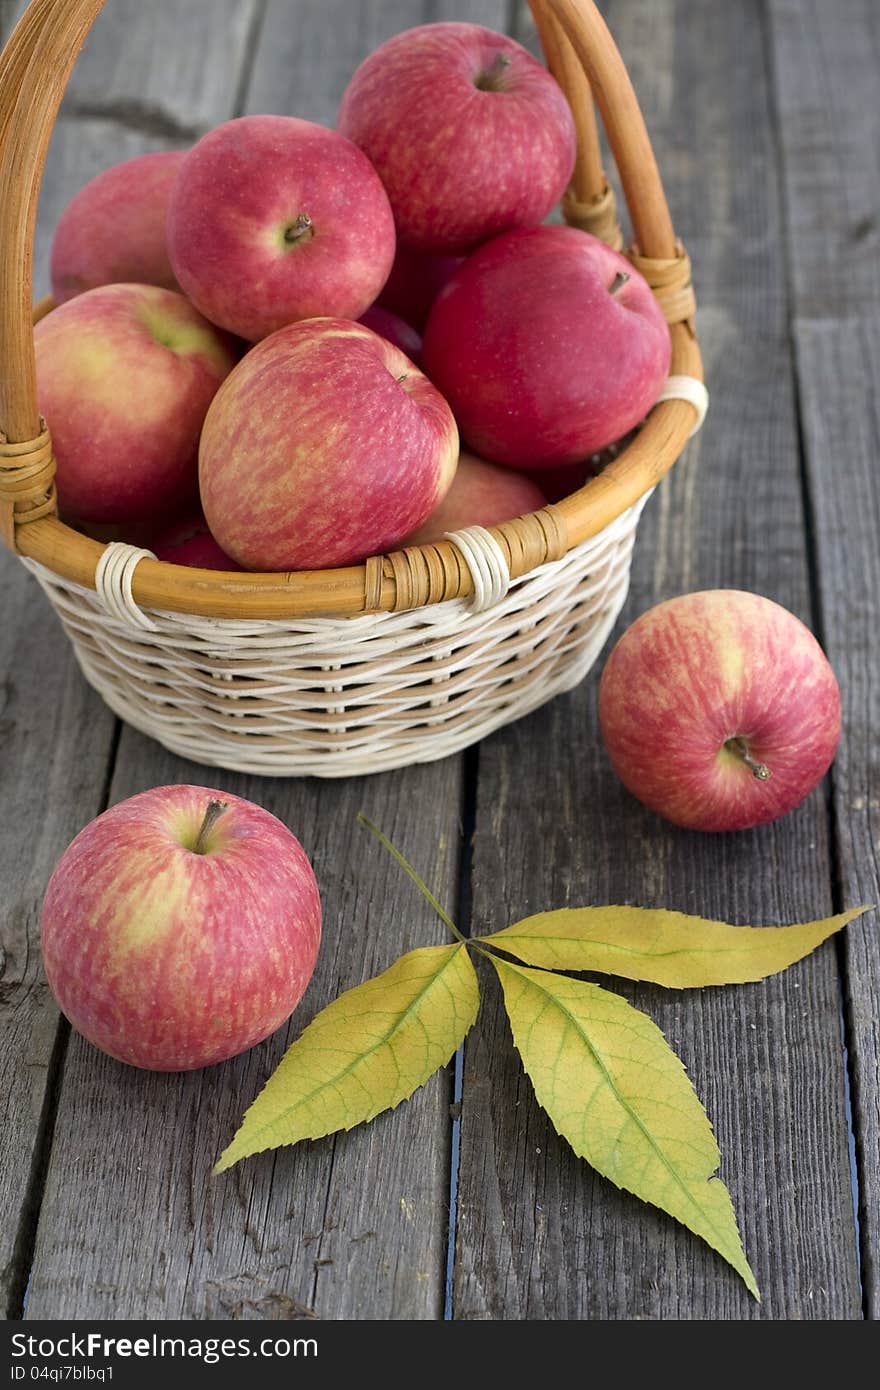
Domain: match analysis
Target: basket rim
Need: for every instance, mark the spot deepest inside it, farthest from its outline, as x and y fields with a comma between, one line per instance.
x=583, y=57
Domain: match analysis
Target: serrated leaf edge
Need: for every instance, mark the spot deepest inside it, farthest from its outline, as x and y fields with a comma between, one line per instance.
x=455, y=952
x=750, y=1282
x=501, y=941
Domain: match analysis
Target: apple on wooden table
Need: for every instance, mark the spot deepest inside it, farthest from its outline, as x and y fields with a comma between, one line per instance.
x=548, y=345
x=113, y=231
x=275, y=219
x=180, y=927
x=326, y=445
x=469, y=133
x=125, y=375
x=719, y=710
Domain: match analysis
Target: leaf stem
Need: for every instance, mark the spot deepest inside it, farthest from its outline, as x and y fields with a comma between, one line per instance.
x=420, y=883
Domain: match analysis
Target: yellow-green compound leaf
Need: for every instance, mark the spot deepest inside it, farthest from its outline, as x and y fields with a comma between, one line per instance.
x=668, y=948
x=616, y=1091
x=366, y=1052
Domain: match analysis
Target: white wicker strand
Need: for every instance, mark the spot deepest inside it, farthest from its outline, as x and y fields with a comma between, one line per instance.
x=113, y=576
x=690, y=389
x=487, y=564
x=414, y=686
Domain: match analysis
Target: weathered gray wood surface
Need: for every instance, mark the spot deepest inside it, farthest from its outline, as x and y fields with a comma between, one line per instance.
x=826, y=65
x=307, y=51
x=130, y=1224
x=838, y=368
x=56, y=738
x=826, y=61
x=538, y=1235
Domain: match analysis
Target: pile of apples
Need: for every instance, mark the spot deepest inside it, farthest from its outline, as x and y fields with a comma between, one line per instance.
x=268, y=350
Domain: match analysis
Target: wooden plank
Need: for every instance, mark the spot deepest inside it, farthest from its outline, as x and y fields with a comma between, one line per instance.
x=305, y=57
x=829, y=132
x=826, y=60
x=838, y=366
x=57, y=740
x=133, y=1225
x=8, y=12
x=174, y=68
x=352, y=1227
x=538, y=1235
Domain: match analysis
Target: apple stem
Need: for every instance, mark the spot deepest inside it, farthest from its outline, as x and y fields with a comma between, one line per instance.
x=212, y=815
x=491, y=79
x=740, y=748
x=302, y=227
x=620, y=279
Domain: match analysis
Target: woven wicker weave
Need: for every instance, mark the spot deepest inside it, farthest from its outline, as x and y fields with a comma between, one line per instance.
x=409, y=656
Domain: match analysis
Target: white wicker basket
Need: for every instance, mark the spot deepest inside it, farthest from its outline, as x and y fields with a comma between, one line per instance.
x=410, y=656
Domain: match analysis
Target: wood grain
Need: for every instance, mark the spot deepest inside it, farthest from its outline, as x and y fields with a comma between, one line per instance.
x=829, y=132
x=304, y=59
x=8, y=13
x=838, y=364
x=176, y=67
x=826, y=60
x=57, y=739
x=352, y=1226
x=538, y=1235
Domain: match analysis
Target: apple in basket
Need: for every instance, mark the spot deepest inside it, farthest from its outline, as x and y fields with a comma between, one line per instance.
x=470, y=134
x=719, y=710
x=394, y=329
x=113, y=231
x=275, y=219
x=125, y=375
x=189, y=542
x=180, y=927
x=415, y=281
x=482, y=494
x=548, y=345
x=325, y=445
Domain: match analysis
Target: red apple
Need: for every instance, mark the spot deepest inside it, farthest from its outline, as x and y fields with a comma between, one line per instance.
x=325, y=445
x=415, y=282
x=482, y=494
x=548, y=346
x=275, y=219
x=470, y=134
x=113, y=231
x=180, y=927
x=719, y=710
x=394, y=330
x=567, y=478
x=190, y=542
x=125, y=375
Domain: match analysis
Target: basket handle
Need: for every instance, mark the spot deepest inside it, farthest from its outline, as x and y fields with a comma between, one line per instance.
x=578, y=27
x=589, y=202
x=34, y=68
